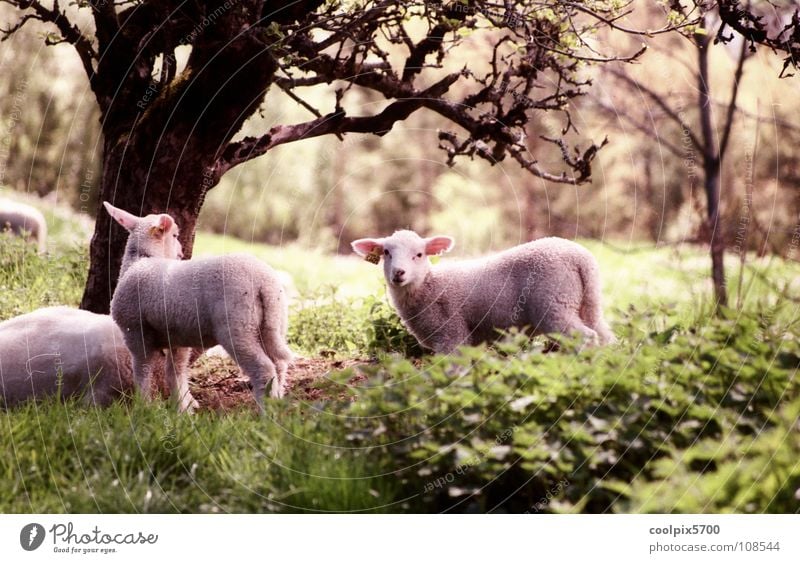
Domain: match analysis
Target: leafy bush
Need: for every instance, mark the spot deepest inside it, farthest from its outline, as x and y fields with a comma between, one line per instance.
x=330, y=325
x=516, y=430
x=742, y=473
x=326, y=324
x=386, y=332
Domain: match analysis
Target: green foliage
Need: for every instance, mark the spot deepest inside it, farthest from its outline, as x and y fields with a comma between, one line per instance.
x=149, y=458
x=330, y=325
x=29, y=281
x=503, y=429
x=742, y=473
x=700, y=418
x=386, y=332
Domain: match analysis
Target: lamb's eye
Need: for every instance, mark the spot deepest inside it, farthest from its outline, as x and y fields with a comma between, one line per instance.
x=419, y=255
x=386, y=253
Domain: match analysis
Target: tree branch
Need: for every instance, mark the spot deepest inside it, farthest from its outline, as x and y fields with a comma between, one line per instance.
x=338, y=122
x=70, y=33
x=709, y=148
x=752, y=27
x=728, y=123
x=661, y=103
x=611, y=22
x=641, y=127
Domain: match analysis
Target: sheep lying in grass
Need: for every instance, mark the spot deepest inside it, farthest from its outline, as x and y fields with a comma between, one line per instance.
x=23, y=219
x=550, y=285
x=162, y=303
x=65, y=352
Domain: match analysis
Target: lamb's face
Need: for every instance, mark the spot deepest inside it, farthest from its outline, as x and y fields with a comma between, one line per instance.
x=405, y=261
x=405, y=255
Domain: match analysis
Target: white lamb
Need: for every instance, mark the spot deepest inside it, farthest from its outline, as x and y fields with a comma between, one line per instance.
x=20, y=219
x=63, y=351
x=162, y=303
x=550, y=285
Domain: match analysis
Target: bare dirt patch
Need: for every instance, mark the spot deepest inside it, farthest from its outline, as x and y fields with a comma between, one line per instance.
x=218, y=385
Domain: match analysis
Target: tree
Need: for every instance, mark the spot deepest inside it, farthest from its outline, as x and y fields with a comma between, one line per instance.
x=708, y=138
x=170, y=130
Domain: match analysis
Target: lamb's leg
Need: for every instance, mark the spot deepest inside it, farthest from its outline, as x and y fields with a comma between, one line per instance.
x=98, y=392
x=178, y=377
x=604, y=333
x=257, y=366
x=275, y=346
x=569, y=325
x=588, y=336
x=142, y=358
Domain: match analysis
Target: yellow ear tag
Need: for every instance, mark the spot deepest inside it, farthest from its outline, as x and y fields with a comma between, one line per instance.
x=373, y=257
x=156, y=231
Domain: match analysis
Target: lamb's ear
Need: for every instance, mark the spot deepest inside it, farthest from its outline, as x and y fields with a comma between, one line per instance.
x=127, y=220
x=165, y=222
x=163, y=225
x=370, y=248
x=437, y=245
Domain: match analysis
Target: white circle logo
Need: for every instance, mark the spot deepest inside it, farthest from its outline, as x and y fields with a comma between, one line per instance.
x=31, y=536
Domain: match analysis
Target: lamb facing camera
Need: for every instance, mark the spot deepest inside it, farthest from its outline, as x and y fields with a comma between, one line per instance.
x=163, y=303
x=548, y=286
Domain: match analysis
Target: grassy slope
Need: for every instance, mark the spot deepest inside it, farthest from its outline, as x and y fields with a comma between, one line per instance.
x=681, y=387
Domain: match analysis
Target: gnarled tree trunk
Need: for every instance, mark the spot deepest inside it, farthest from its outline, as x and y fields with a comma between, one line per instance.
x=164, y=156
x=131, y=184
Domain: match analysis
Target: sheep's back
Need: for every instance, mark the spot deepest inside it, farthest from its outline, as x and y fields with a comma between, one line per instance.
x=21, y=219
x=531, y=277
x=59, y=348
x=187, y=303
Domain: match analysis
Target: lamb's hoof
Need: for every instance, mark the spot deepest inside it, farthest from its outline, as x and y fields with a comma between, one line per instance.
x=188, y=406
x=277, y=391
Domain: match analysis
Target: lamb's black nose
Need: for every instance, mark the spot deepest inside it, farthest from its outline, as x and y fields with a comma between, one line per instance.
x=398, y=275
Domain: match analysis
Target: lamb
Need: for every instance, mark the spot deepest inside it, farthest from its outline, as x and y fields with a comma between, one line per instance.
x=65, y=352
x=21, y=219
x=163, y=303
x=550, y=285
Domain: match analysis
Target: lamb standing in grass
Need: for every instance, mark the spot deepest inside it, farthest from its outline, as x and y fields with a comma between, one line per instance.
x=21, y=219
x=550, y=285
x=65, y=352
x=162, y=303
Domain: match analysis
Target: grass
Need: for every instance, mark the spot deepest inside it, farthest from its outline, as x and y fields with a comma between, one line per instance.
x=313, y=272
x=146, y=458
x=690, y=412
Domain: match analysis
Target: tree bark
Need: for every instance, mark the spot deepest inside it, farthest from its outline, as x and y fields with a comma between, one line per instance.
x=712, y=164
x=717, y=243
x=178, y=189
